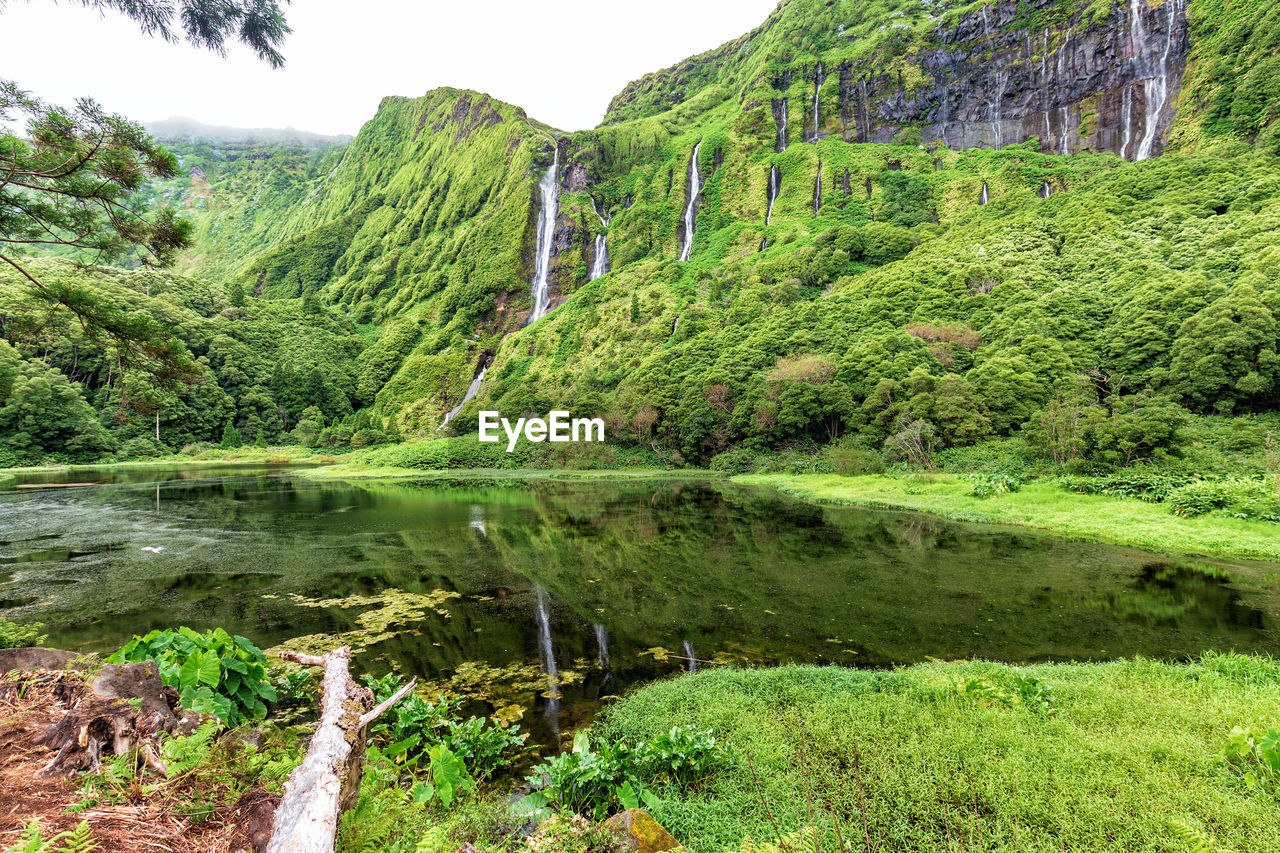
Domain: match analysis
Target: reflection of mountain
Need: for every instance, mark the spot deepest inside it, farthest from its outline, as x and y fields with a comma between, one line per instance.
x=739, y=572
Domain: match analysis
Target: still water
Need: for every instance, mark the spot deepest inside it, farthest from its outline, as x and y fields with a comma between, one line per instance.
x=543, y=597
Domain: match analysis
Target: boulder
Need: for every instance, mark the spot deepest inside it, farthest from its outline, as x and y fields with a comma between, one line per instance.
x=640, y=833
x=32, y=660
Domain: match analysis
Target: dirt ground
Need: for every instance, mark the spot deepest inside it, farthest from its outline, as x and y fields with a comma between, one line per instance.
x=142, y=825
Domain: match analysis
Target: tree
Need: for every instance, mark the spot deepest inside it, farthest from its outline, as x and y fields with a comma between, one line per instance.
x=72, y=182
x=259, y=24
x=913, y=443
x=231, y=437
x=235, y=293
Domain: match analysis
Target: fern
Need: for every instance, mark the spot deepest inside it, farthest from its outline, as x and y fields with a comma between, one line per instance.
x=1196, y=840
x=184, y=754
x=78, y=840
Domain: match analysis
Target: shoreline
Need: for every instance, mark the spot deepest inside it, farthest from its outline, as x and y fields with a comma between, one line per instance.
x=1040, y=506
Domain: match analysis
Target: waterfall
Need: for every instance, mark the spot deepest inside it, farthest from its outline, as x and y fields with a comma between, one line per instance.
x=675, y=326
x=817, y=192
x=602, y=646
x=1045, y=190
x=986, y=195
x=1157, y=88
x=1126, y=119
x=688, y=653
x=986, y=22
x=601, y=264
x=780, y=108
x=1047, y=88
x=550, y=188
x=1064, y=119
x=775, y=182
x=995, y=109
x=818, y=79
x=691, y=208
x=472, y=390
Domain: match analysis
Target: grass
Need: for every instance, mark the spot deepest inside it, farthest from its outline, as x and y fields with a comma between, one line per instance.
x=1045, y=506
x=215, y=456
x=1133, y=748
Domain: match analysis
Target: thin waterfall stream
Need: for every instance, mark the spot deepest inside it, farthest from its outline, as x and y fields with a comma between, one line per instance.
x=691, y=207
x=550, y=189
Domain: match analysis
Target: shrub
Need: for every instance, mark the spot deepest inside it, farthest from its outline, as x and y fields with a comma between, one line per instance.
x=15, y=636
x=142, y=447
x=850, y=459
x=989, y=483
x=595, y=782
x=739, y=460
x=914, y=442
x=415, y=726
x=1200, y=497
x=214, y=672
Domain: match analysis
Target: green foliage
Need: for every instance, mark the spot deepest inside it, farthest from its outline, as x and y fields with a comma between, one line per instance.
x=15, y=636
x=1240, y=498
x=213, y=672
x=989, y=483
x=78, y=840
x=414, y=726
x=593, y=782
x=1255, y=755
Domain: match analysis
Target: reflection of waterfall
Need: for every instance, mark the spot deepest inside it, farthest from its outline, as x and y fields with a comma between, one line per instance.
x=547, y=659
x=986, y=194
x=602, y=646
x=472, y=390
x=601, y=264
x=550, y=189
x=688, y=653
x=1157, y=87
x=691, y=208
x=818, y=79
x=477, y=519
x=775, y=181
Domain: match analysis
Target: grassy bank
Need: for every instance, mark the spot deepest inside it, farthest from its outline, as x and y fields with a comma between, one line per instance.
x=1128, y=756
x=1045, y=506
x=236, y=456
x=358, y=471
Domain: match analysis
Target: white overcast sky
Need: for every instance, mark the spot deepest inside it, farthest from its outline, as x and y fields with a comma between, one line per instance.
x=562, y=60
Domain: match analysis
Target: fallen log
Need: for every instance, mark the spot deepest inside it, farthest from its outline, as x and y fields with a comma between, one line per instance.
x=327, y=782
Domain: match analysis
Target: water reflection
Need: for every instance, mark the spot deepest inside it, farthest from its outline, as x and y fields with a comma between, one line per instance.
x=561, y=593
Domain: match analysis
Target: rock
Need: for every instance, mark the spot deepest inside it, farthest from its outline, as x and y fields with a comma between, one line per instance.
x=640, y=833
x=255, y=818
x=32, y=660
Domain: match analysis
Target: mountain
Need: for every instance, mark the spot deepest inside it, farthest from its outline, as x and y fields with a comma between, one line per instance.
x=177, y=128
x=891, y=212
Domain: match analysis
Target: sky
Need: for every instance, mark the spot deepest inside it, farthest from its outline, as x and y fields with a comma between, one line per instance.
x=562, y=60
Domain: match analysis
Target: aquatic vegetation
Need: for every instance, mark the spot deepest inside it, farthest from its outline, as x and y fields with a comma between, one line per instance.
x=388, y=609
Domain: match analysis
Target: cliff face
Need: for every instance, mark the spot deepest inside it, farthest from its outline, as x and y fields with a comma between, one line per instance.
x=1076, y=77
x=1110, y=85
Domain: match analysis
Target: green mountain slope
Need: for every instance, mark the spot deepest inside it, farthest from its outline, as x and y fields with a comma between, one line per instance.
x=902, y=210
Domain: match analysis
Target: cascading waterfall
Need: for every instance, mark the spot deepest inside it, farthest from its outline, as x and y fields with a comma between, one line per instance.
x=986, y=194
x=1064, y=120
x=691, y=208
x=780, y=109
x=819, y=77
x=986, y=22
x=550, y=189
x=675, y=326
x=995, y=108
x=1157, y=87
x=600, y=266
x=602, y=646
x=472, y=390
x=688, y=653
x=1045, y=86
x=775, y=182
x=1045, y=190
x=817, y=192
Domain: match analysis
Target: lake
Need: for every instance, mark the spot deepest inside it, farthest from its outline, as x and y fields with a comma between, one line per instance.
x=541, y=598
